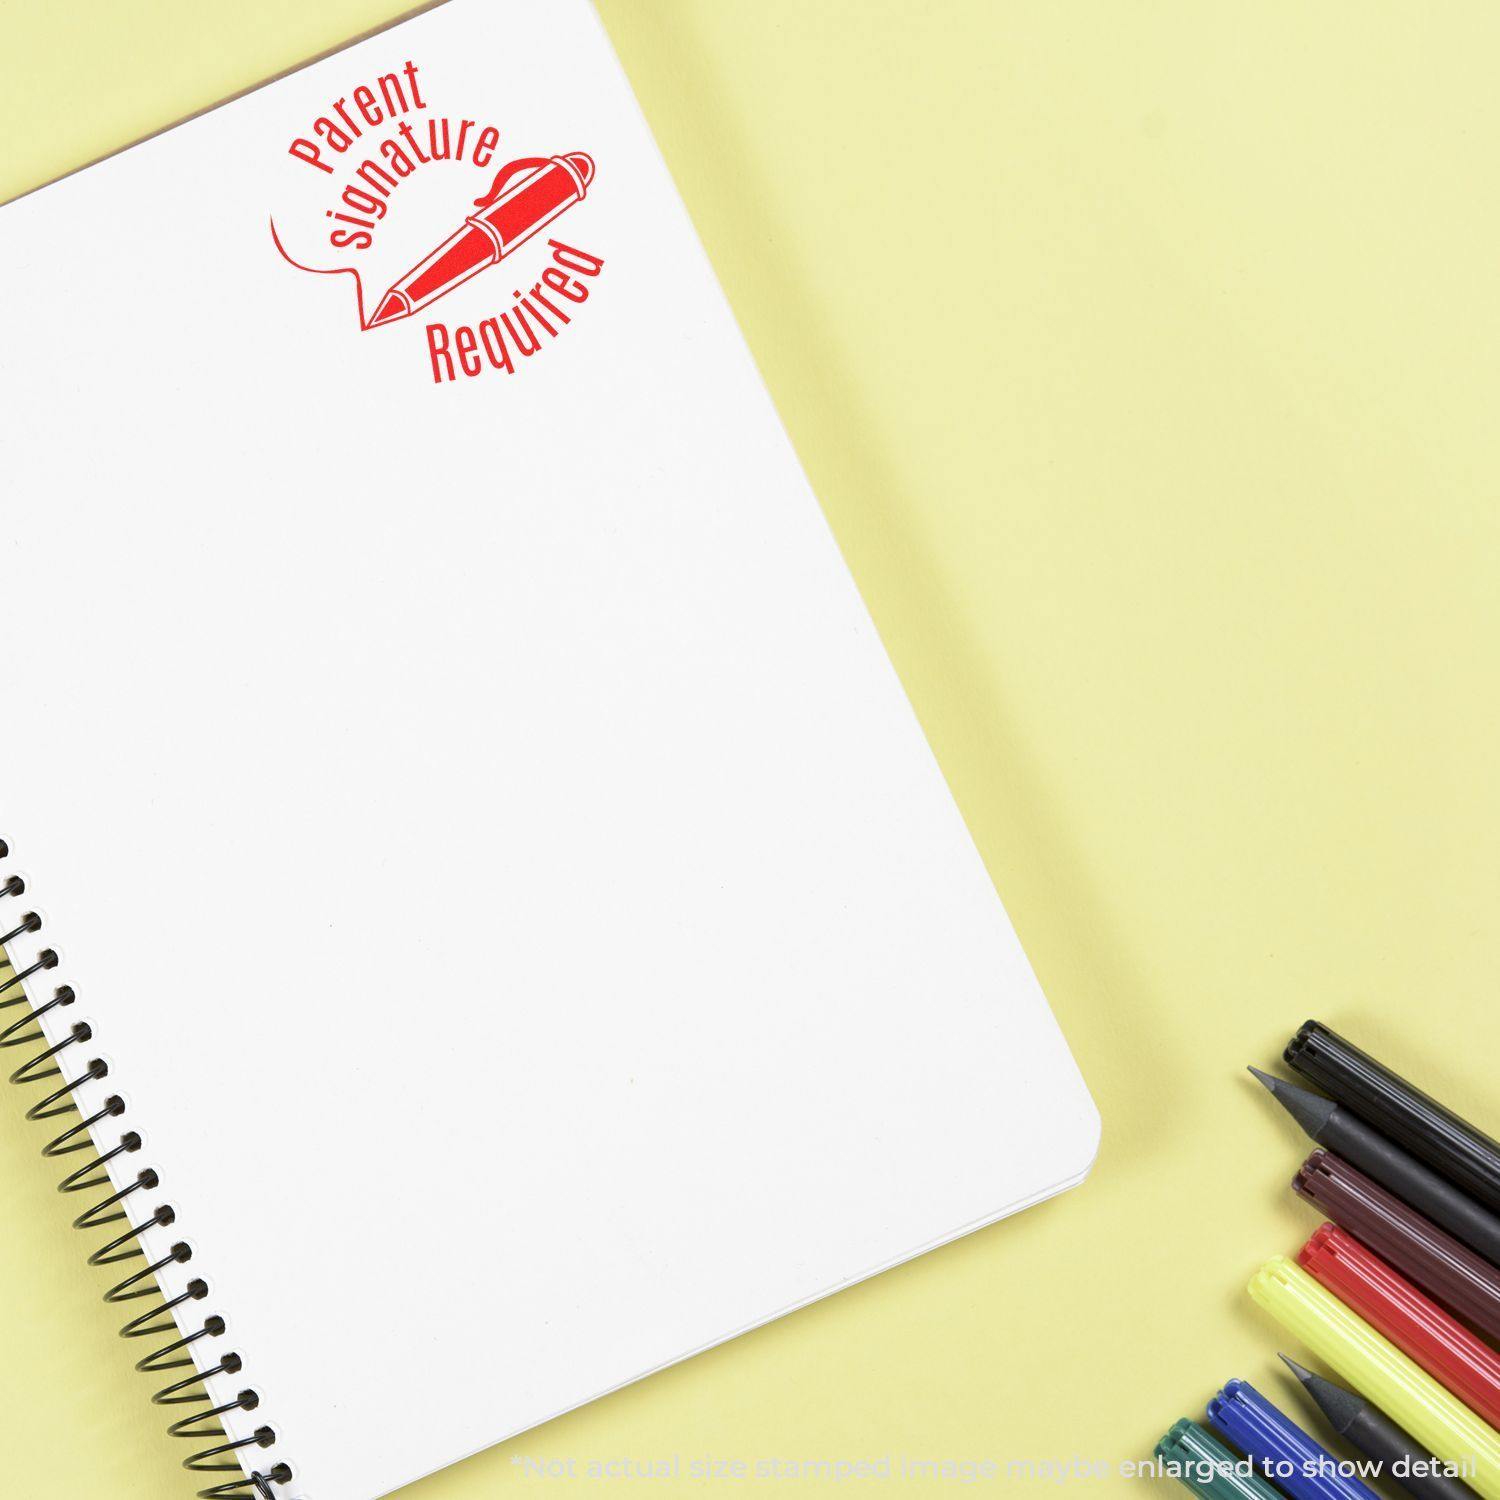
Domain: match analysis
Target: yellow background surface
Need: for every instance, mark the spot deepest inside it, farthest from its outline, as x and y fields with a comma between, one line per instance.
x=1146, y=360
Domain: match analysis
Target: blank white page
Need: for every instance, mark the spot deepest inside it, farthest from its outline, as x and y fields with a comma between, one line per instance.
x=503, y=871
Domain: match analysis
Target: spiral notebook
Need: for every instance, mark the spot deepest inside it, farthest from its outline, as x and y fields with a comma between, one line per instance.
x=478, y=874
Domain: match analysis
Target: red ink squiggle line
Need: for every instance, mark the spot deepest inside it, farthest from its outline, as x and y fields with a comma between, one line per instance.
x=359, y=291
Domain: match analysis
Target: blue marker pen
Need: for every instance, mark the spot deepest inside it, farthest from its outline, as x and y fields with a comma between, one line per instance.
x=1282, y=1451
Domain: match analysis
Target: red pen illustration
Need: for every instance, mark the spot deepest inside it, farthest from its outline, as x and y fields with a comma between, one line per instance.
x=525, y=197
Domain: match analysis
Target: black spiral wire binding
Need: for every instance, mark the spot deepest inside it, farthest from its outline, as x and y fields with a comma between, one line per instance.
x=203, y=1424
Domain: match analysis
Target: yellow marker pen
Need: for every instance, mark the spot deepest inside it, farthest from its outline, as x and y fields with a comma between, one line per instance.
x=1405, y=1392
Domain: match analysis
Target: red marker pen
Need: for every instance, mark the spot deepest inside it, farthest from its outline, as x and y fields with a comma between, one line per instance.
x=1413, y=1323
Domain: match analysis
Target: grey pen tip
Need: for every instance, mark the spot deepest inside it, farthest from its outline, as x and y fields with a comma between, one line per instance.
x=1270, y=1082
x=1304, y=1375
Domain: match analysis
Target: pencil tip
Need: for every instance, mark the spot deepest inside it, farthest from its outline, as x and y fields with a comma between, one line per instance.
x=1341, y=1407
x=1311, y=1111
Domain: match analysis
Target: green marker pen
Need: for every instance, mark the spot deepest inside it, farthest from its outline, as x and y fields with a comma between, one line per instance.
x=1207, y=1467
